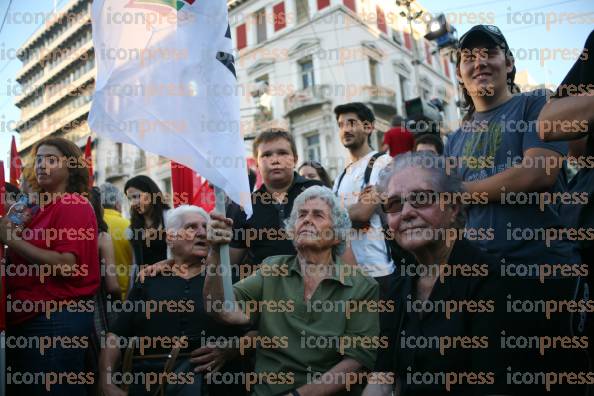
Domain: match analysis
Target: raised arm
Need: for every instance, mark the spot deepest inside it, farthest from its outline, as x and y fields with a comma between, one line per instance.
x=566, y=118
x=219, y=233
x=523, y=178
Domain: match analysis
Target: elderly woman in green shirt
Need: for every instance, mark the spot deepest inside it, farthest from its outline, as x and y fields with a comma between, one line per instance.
x=317, y=318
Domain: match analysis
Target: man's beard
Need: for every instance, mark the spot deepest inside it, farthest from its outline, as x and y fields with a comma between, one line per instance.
x=355, y=144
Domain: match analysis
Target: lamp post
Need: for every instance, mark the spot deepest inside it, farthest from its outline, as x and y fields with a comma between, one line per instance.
x=411, y=16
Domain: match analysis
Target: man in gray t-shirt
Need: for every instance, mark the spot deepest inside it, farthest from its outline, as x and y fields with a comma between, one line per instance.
x=509, y=171
x=492, y=142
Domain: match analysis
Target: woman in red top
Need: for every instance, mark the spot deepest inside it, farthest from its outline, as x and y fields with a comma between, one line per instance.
x=54, y=275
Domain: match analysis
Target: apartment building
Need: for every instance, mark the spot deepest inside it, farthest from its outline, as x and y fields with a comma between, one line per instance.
x=298, y=59
x=57, y=80
x=295, y=61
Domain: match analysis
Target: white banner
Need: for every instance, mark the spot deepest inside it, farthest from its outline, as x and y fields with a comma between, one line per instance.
x=166, y=83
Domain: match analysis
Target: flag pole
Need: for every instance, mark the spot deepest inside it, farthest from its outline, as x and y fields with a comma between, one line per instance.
x=224, y=250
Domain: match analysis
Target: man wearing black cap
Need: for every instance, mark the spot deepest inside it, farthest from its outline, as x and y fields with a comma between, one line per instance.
x=498, y=154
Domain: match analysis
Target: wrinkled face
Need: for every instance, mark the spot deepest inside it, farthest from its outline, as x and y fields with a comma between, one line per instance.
x=313, y=227
x=51, y=168
x=140, y=201
x=189, y=242
x=276, y=162
x=309, y=172
x=353, y=131
x=426, y=147
x=483, y=68
x=415, y=229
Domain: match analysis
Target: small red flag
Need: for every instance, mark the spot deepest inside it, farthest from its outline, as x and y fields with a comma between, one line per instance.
x=189, y=188
x=89, y=160
x=15, y=164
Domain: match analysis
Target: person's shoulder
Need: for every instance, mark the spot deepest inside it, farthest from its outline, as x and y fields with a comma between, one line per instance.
x=278, y=259
x=276, y=266
x=535, y=96
x=360, y=279
x=382, y=161
x=74, y=204
x=301, y=183
x=467, y=253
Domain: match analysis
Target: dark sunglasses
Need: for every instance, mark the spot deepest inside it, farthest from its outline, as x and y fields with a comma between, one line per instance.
x=417, y=199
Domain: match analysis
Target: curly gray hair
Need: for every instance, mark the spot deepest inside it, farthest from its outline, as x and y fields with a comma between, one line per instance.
x=111, y=196
x=441, y=174
x=341, y=223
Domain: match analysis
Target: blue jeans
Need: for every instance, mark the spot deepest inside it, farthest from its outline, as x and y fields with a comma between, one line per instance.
x=60, y=357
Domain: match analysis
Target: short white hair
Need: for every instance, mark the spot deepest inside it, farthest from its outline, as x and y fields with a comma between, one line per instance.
x=175, y=217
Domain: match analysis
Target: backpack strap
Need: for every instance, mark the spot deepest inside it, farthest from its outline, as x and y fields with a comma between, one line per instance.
x=340, y=179
x=369, y=168
x=366, y=175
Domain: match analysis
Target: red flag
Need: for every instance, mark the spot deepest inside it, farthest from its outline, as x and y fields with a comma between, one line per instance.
x=15, y=164
x=189, y=188
x=3, y=262
x=89, y=160
x=253, y=165
x=204, y=196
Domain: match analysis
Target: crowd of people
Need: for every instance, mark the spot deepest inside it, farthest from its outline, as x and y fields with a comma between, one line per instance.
x=424, y=268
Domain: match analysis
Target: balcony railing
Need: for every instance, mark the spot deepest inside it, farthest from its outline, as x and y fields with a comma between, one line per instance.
x=115, y=170
x=305, y=98
x=140, y=163
x=377, y=95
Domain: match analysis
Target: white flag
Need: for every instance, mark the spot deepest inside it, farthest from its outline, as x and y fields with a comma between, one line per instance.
x=166, y=83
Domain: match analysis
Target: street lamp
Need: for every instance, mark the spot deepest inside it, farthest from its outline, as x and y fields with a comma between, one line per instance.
x=411, y=16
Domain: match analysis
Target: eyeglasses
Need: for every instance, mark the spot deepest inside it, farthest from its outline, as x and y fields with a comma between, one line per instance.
x=417, y=199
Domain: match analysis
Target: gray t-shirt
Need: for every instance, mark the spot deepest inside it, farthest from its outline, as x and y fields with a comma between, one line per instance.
x=491, y=142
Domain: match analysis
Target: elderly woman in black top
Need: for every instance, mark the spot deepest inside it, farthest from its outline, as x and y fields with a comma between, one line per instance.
x=448, y=304
x=165, y=313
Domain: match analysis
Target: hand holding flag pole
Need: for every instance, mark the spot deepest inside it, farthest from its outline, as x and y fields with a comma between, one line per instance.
x=224, y=253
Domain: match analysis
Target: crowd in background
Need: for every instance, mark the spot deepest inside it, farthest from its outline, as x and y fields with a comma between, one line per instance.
x=412, y=273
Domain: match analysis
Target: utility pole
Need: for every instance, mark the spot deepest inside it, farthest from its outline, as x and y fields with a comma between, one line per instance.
x=411, y=16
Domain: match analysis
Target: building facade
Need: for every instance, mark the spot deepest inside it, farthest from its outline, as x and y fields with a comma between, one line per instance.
x=57, y=80
x=295, y=60
x=298, y=59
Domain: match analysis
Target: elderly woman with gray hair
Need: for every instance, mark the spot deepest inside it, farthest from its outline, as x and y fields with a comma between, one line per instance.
x=448, y=304
x=163, y=327
x=316, y=317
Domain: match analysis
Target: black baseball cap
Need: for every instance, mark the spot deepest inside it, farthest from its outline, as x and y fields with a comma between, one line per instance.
x=491, y=32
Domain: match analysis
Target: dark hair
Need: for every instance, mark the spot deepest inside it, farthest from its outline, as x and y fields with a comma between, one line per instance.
x=95, y=199
x=158, y=205
x=364, y=113
x=397, y=120
x=11, y=189
x=12, y=192
x=273, y=134
x=78, y=179
x=468, y=104
x=429, y=138
x=319, y=170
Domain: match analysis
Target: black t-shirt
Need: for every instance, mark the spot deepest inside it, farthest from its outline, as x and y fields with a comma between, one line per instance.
x=580, y=79
x=162, y=310
x=413, y=347
x=263, y=233
x=168, y=306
